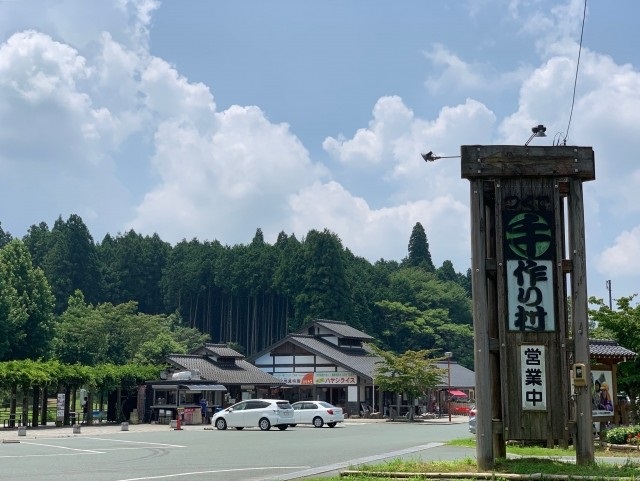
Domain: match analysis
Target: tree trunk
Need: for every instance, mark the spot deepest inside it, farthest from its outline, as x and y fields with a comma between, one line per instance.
x=89, y=415
x=13, y=407
x=43, y=405
x=67, y=402
x=35, y=410
x=119, y=413
x=25, y=406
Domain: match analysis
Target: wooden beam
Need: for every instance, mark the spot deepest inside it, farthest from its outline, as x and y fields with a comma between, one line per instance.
x=492, y=161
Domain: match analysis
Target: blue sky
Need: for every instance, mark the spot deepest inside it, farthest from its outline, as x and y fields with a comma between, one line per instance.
x=210, y=119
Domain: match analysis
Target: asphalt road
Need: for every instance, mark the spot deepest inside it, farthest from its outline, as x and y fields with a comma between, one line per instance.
x=195, y=453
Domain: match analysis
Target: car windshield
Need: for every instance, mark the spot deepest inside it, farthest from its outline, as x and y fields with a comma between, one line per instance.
x=284, y=405
x=326, y=405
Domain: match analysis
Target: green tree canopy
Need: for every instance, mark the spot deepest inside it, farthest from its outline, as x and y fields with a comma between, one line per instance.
x=623, y=324
x=26, y=305
x=412, y=373
x=119, y=334
x=419, y=255
x=324, y=289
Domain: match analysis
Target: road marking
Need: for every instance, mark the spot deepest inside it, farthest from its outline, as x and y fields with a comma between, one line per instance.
x=138, y=442
x=88, y=451
x=165, y=476
x=79, y=451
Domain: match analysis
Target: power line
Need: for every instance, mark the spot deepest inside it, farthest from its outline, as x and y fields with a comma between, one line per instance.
x=575, y=82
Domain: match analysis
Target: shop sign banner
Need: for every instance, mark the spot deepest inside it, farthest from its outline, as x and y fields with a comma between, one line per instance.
x=533, y=378
x=340, y=377
x=314, y=378
x=601, y=393
x=60, y=407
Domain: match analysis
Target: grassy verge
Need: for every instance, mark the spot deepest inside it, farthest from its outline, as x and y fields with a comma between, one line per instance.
x=532, y=460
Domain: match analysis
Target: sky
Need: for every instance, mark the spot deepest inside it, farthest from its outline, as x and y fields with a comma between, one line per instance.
x=211, y=119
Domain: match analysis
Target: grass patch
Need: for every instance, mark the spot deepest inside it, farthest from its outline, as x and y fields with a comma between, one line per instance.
x=531, y=460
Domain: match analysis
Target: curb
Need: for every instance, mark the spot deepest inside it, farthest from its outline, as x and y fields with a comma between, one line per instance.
x=493, y=476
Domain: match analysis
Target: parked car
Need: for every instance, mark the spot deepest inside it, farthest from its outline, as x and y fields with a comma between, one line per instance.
x=263, y=413
x=472, y=419
x=317, y=413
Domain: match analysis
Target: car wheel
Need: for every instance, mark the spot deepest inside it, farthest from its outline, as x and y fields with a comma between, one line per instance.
x=318, y=422
x=282, y=427
x=264, y=424
x=293, y=425
x=221, y=424
x=332, y=425
x=240, y=428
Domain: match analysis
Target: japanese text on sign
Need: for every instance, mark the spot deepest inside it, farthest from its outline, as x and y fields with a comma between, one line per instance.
x=533, y=380
x=335, y=378
x=529, y=253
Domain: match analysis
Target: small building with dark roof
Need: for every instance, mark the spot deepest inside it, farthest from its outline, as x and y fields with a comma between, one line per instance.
x=605, y=355
x=214, y=372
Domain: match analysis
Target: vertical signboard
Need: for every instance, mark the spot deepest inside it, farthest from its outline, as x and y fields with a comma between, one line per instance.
x=533, y=384
x=529, y=252
x=60, y=408
x=602, y=403
x=533, y=335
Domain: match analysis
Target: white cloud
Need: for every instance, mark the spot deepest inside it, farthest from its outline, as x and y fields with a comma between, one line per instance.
x=623, y=257
x=391, y=119
x=454, y=71
x=94, y=124
x=243, y=167
x=384, y=233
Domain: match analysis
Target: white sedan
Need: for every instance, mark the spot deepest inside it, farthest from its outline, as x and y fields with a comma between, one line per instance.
x=317, y=413
x=263, y=413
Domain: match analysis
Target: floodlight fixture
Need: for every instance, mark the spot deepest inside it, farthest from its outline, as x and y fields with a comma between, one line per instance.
x=537, y=131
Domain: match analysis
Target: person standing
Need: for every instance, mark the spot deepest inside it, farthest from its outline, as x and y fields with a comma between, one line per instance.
x=203, y=409
x=85, y=409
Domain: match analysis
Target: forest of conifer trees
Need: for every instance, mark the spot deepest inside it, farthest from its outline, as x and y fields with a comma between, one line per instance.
x=253, y=294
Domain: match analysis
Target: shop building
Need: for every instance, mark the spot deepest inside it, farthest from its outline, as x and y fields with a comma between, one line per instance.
x=325, y=360
x=214, y=372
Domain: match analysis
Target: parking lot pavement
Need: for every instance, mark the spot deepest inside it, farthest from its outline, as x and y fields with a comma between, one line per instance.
x=52, y=431
x=13, y=434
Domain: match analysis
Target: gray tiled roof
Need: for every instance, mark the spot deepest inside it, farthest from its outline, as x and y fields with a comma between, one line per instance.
x=360, y=360
x=609, y=349
x=219, y=350
x=461, y=377
x=340, y=328
x=240, y=372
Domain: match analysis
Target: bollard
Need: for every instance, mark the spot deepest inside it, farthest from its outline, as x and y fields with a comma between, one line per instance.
x=124, y=426
x=22, y=431
x=76, y=429
x=178, y=423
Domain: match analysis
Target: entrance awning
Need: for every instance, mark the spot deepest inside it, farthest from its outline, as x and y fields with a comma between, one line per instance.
x=455, y=392
x=205, y=387
x=189, y=387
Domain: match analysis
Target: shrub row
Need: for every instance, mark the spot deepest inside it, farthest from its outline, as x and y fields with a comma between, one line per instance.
x=624, y=435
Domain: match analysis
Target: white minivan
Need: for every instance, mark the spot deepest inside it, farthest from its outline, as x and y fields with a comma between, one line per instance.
x=262, y=413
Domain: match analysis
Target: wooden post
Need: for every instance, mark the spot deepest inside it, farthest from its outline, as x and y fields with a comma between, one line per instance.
x=580, y=322
x=484, y=429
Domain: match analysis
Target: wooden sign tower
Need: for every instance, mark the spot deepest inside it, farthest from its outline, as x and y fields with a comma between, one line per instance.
x=528, y=259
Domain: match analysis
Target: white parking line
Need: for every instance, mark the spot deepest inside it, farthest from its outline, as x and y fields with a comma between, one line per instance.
x=89, y=451
x=177, y=475
x=138, y=442
x=80, y=451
